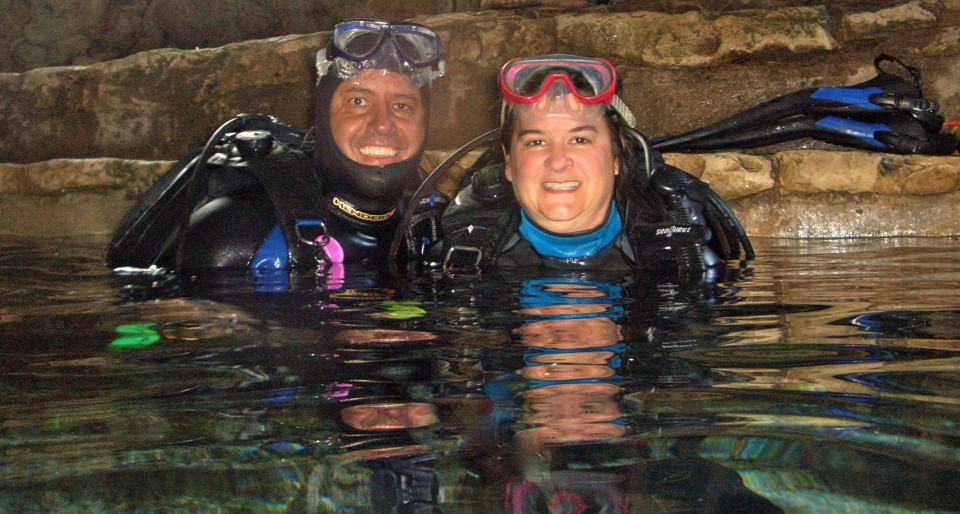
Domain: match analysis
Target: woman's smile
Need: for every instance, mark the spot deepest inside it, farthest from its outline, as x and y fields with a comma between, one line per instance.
x=561, y=186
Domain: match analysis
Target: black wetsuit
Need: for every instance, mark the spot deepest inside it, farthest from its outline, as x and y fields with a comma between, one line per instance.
x=241, y=230
x=269, y=197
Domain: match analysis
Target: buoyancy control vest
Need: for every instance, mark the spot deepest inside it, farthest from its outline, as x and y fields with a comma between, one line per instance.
x=253, y=196
x=672, y=222
x=285, y=220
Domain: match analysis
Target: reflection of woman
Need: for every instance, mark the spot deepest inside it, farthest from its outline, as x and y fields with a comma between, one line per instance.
x=571, y=191
x=571, y=359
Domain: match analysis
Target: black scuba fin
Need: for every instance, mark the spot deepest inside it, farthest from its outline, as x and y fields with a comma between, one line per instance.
x=887, y=113
x=901, y=134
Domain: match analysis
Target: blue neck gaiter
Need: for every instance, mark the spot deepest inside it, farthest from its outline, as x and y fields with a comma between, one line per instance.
x=572, y=247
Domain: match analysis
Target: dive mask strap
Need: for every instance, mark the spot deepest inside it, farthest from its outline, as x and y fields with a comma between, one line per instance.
x=623, y=111
x=616, y=104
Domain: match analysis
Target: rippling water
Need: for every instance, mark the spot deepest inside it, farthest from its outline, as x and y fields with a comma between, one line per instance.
x=824, y=376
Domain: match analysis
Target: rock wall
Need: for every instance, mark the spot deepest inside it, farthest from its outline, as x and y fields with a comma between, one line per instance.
x=680, y=71
x=683, y=66
x=40, y=33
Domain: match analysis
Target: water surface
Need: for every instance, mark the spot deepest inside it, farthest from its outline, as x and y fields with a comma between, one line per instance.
x=823, y=376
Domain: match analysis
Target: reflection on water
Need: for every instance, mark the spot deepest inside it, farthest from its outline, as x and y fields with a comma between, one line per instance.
x=825, y=376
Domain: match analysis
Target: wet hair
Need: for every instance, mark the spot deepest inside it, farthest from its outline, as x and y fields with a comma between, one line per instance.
x=622, y=144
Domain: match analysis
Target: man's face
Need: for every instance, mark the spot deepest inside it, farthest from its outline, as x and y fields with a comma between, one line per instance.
x=378, y=118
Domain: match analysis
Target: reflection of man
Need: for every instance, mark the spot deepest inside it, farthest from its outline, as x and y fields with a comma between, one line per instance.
x=385, y=468
x=335, y=198
x=389, y=416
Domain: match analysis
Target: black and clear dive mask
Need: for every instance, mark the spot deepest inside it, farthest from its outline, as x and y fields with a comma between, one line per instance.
x=407, y=48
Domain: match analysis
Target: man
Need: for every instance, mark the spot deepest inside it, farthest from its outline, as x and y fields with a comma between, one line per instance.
x=270, y=197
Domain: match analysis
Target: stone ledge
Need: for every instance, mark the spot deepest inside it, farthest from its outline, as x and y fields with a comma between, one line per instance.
x=59, y=176
x=734, y=175
x=797, y=193
x=696, y=38
x=833, y=214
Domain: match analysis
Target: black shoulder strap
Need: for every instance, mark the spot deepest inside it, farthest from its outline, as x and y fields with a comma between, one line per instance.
x=153, y=225
x=293, y=185
x=479, y=221
x=678, y=220
x=149, y=228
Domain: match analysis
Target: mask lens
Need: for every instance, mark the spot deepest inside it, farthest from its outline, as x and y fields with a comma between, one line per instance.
x=538, y=79
x=525, y=80
x=358, y=42
x=410, y=49
x=359, y=39
x=418, y=47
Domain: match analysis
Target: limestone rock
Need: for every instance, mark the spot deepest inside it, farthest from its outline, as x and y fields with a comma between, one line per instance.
x=466, y=100
x=40, y=33
x=848, y=215
x=860, y=172
x=73, y=175
x=67, y=214
x=694, y=38
x=851, y=172
x=156, y=104
x=931, y=178
x=731, y=175
x=918, y=13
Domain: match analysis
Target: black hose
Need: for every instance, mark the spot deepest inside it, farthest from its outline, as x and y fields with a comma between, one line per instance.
x=422, y=192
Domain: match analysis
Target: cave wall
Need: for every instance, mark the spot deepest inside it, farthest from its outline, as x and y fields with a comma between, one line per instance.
x=42, y=33
x=100, y=128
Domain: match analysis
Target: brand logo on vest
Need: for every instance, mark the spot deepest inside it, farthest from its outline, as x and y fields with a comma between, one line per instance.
x=672, y=229
x=344, y=206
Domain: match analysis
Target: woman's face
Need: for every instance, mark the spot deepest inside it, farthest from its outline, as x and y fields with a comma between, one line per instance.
x=562, y=167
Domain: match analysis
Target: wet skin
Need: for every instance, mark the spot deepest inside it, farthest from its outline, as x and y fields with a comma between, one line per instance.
x=378, y=118
x=562, y=167
x=389, y=416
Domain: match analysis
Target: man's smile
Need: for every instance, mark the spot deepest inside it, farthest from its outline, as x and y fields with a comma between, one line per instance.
x=378, y=151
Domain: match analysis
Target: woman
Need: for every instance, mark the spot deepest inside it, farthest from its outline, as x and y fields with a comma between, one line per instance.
x=579, y=188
